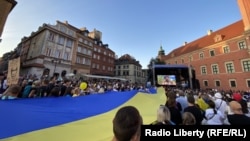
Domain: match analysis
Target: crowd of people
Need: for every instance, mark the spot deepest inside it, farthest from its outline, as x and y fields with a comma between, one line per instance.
x=182, y=106
x=186, y=107
x=31, y=87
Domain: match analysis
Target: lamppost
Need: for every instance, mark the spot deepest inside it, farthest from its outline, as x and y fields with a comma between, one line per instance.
x=55, y=61
x=153, y=67
x=190, y=69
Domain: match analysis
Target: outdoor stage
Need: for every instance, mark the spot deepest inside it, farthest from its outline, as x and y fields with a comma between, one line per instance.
x=65, y=118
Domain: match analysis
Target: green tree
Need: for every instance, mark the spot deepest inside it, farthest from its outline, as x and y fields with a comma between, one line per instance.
x=152, y=61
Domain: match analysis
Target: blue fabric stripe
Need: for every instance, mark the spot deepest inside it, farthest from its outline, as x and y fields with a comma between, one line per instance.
x=26, y=115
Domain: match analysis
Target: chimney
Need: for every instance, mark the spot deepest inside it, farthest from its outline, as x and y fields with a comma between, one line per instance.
x=209, y=32
x=83, y=28
x=185, y=43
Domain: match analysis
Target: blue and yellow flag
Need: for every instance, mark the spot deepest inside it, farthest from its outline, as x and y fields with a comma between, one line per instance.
x=87, y=118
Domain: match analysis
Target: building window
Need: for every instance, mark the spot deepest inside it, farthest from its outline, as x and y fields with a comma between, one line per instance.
x=71, y=33
x=229, y=67
x=93, y=66
x=201, y=55
x=203, y=70
x=80, y=40
x=84, y=50
x=88, y=62
x=217, y=83
x=176, y=62
x=232, y=83
x=182, y=61
x=205, y=83
x=215, y=69
x=90, y=44
x=48, y=51
x=212, y=53
x=51, y=37
x=190, y=58
x=89, y=52
x=242, y=45
x=79, y=49
x=69, y=43
x=246, y=65
x=83, y=60
x=66, y=56
x=61, y=40
x=58, y=54
x=63, y=28
x=85, y=42
x=248, y=83
x=78, y=60
x=226, y=49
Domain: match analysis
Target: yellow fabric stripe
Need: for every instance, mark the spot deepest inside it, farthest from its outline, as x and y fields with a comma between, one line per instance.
x=97, y=128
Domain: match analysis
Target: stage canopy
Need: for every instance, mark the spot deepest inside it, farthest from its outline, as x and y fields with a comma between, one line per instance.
x=171, y=66
x=103, y=77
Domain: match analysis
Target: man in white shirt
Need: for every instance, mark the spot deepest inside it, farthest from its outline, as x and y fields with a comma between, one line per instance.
x=220, y=104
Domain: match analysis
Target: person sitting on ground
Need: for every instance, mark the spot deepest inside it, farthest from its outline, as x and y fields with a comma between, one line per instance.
x=12, y=92
x=127, y=124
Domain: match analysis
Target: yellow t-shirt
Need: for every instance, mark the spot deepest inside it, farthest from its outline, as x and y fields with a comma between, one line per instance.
x=202, y=104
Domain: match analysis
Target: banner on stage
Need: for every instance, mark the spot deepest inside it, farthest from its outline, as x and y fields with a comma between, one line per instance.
x=203, y=132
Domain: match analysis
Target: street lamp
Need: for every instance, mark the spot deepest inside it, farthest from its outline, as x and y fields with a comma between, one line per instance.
x=153, y=67
x=190, y=69
x=55, y=62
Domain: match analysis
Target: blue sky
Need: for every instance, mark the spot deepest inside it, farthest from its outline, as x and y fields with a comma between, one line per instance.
x=135, y=27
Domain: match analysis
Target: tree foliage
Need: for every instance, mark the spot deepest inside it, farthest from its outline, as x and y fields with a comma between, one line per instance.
x=150, y=66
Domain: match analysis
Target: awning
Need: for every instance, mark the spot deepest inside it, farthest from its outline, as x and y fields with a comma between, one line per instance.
x=104, y=77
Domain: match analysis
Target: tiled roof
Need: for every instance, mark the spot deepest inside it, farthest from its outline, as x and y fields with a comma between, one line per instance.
x=127, y=57
x=228, y=32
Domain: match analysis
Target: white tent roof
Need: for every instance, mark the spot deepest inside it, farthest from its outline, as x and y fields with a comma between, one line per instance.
x=104, y=77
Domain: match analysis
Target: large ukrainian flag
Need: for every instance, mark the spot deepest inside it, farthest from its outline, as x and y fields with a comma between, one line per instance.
x=86, y=118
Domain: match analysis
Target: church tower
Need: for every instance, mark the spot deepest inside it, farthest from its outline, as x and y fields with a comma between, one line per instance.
x=244, y=6
x=161, y=53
